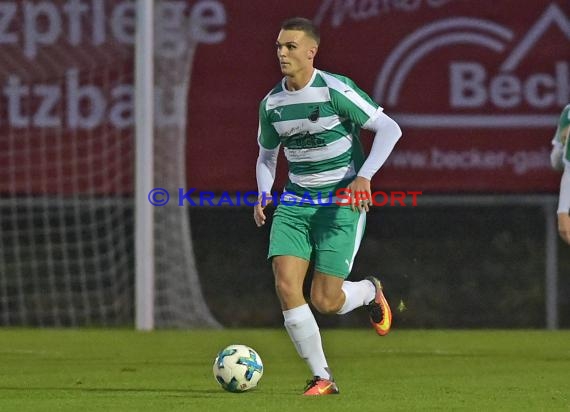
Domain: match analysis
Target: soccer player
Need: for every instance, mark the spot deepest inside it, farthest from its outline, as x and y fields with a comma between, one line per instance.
x=316, y=116
x=560, y=160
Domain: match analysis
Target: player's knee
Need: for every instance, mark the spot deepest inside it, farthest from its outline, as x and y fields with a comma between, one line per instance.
x=325, y=304
x=285, y=288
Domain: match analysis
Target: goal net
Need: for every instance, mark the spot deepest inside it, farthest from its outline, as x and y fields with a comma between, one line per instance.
x=67, y=168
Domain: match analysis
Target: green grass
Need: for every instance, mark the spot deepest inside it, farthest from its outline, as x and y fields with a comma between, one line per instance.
x=122, y=370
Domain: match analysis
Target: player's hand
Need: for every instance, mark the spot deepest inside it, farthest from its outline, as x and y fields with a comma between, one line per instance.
x=258, y=214
x=360, y=194
x=564, y=226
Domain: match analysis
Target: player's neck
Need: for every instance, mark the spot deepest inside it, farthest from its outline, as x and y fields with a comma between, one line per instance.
x=299, y=79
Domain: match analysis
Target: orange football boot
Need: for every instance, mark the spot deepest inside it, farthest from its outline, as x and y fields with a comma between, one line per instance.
x=319, y=386
x=379, y=310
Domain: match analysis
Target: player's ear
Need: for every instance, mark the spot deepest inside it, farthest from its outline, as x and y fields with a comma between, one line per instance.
x=312, y=52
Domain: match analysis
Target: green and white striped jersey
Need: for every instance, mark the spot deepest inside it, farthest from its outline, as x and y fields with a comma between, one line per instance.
x=318, y=127
x=562, y=132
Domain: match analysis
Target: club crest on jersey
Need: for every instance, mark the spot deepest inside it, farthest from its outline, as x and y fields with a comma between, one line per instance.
x=314, y=115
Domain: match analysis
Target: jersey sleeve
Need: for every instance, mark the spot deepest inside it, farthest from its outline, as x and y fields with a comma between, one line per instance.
x=563, y=123
x=560, y=138
x=351, y=102
x=267, y=136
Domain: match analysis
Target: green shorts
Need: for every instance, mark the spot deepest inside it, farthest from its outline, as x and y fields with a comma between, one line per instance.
x=330, y=235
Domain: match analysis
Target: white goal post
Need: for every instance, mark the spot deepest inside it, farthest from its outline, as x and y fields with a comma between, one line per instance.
x=72, y=230
x=144, y=161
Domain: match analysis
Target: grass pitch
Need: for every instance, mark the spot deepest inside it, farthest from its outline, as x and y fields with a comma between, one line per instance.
x=123, y=370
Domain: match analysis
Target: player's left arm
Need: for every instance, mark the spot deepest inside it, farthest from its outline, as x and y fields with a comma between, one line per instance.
x=353, y=103
x=388, y=133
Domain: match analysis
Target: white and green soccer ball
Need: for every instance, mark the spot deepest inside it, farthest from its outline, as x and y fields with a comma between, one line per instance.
x=238, y=368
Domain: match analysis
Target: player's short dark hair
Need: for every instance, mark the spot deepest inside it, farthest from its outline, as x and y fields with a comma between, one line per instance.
x=304, y=25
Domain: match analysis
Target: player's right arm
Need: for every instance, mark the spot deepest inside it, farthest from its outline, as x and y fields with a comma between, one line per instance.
x=265, y=174
x=556, y=156
x=562, y=137
x=564, y=206
x=268, y=141
x=559, y=139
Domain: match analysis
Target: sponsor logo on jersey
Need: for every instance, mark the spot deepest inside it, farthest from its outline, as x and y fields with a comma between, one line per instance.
x=305, y=141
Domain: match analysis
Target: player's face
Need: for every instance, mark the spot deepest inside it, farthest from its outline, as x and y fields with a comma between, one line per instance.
x=295, y=51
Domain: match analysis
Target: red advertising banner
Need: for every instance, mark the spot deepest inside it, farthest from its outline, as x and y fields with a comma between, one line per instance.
x=476, y=85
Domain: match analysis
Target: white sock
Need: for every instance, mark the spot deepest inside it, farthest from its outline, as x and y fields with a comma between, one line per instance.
x=356, y=294
x=304, y=332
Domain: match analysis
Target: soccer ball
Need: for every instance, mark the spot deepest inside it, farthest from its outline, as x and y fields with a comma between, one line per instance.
x=238, y=368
